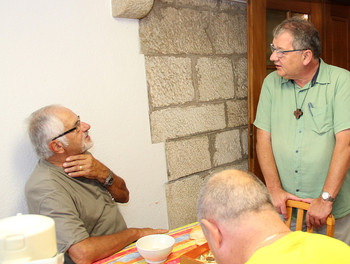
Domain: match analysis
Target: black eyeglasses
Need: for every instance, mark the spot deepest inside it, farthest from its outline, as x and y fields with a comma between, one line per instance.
x=280, y=53
x=76, y=127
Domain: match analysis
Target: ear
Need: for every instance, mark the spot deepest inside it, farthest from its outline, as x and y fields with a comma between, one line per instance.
x=307, y=57
x=56, y=147
x=213, y=231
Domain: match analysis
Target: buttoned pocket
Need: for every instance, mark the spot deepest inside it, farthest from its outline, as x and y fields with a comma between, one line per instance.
x=322, y=119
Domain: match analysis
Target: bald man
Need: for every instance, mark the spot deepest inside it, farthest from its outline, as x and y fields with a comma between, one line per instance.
x=241, y=225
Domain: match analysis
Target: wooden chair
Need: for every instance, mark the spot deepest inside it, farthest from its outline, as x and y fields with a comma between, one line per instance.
x=302, y=207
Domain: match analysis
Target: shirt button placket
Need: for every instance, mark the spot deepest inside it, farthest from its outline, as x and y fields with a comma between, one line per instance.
x=298, y=148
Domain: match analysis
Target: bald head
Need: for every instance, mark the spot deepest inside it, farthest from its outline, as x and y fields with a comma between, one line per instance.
x=230, y=193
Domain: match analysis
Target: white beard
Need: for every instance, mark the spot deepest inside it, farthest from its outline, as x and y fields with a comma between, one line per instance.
x=86, y=145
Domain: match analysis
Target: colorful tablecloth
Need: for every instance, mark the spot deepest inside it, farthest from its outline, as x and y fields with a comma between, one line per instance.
x=183, y=244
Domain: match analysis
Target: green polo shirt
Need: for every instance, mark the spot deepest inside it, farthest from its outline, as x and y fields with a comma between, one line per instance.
x=303, y=147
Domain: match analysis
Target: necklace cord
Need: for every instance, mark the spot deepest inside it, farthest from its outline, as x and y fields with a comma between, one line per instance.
x=298, y=112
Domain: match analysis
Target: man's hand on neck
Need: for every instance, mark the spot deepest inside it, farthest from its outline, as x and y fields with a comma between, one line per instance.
x=85, y=165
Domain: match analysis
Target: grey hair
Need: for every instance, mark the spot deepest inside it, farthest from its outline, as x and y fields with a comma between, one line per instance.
x=43, y=126
x=231, y=193
x=305, y=35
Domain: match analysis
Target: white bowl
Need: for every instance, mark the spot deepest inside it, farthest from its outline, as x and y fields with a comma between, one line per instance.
x=155, y=248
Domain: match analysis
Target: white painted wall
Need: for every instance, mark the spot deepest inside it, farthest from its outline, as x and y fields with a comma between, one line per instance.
x=73, y=52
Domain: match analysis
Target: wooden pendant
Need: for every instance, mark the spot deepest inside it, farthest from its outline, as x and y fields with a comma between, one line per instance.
x=298, y=113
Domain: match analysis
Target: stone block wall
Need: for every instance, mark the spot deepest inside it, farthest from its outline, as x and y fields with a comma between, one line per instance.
x=196, y=67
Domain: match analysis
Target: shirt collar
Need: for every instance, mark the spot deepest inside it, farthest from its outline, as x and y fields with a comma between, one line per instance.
x=313, y=81
x=321, y=75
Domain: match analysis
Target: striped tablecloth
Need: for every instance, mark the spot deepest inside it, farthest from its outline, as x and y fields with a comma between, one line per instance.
x=183, y=244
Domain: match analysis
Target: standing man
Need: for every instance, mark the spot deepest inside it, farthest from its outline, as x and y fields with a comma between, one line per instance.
x=303, y=135
x=76, y=190
x=241, y=225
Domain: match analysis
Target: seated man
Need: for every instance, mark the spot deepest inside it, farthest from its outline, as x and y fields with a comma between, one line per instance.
x=241, y=225
x=76, y=190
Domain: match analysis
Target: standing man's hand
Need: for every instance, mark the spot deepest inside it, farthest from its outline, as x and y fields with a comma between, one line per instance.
x=279, y=199
x=318, y=212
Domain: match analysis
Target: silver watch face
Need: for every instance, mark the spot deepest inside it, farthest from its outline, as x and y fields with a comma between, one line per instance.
x=325, y=195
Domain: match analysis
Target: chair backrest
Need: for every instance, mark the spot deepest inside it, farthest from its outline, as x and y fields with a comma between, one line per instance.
x=302, y=207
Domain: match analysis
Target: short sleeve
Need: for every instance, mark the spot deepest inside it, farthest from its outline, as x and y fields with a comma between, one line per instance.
x=342, y=101
x=263, y=114
x=60, y=207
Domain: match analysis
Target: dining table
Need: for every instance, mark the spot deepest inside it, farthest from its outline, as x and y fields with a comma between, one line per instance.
x=183, y=244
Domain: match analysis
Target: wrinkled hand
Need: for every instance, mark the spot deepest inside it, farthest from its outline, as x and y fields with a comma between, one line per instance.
x=279, y=199
x=85, y=165
x=318, y=212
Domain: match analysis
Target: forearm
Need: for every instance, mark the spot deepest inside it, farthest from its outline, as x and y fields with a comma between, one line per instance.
x=85, y=165
x=269, y=169
x=95, y=248
x=340, y=164
x=267, y=161
x=320, y=209
x=118, y=189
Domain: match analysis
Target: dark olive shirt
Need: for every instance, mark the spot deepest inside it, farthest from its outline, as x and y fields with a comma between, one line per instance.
x=81, y=207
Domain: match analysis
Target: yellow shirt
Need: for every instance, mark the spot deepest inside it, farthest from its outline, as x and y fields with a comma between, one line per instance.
x=303, y=248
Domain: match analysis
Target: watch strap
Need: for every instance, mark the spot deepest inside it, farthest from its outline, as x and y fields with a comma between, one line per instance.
x=109, y=180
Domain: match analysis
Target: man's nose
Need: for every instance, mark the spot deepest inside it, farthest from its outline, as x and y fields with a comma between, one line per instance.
x=273, y=56
x=85, y=126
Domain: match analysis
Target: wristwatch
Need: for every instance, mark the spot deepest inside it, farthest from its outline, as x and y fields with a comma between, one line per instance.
x=109, y=180
x=327, y=197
